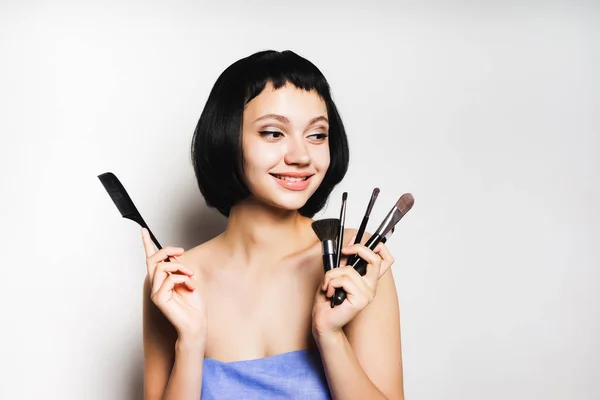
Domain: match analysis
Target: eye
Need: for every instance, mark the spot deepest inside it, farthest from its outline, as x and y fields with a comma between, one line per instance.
x=318, y=137
x=271, y=135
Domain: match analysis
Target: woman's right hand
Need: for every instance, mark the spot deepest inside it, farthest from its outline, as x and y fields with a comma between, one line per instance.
x=174, y=290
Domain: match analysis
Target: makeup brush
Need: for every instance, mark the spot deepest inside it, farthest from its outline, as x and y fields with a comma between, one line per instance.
x=402, y=206
x=387, y=237
x=365, y=220
x=340, y=236
x=119, y=196
x=327, y=230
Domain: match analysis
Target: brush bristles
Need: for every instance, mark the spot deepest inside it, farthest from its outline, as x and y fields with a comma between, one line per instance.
x=326, y=229
x=344, y=196
x=405, y=203
x=372, y=201
x=118, y=194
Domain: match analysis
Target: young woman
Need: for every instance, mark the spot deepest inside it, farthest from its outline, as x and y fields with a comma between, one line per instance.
x=246, y=315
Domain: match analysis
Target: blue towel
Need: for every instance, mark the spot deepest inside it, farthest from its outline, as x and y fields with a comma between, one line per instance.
x=294, y=375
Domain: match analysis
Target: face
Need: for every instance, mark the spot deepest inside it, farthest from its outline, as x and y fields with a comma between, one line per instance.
x=285, y=145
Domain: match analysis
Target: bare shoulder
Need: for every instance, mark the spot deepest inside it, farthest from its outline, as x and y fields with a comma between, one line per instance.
x=200, y=257
x=349, y=233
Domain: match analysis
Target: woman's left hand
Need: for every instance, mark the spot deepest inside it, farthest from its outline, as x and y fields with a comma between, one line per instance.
x=360, y=290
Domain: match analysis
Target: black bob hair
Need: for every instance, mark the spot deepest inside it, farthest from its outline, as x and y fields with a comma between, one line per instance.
x=216, y=144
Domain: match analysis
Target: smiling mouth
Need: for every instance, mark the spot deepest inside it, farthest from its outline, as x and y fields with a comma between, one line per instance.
x=290, y=178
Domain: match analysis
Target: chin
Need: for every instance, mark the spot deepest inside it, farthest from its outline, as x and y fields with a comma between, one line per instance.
x=287, y=203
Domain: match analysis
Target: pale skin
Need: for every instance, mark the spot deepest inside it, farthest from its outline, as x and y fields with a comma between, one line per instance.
x=264, y=276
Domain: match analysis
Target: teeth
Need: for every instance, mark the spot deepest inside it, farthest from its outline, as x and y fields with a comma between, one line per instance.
x=289, y=178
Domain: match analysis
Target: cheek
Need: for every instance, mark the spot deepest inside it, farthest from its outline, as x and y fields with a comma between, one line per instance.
x=321, y=158
x=269, y=154
x=260, y=158
x=251, y=161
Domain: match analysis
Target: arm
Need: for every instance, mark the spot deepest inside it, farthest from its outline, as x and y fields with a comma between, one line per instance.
x=375, y=337
x=172, y=366
x=364, y=359
x=174, y=327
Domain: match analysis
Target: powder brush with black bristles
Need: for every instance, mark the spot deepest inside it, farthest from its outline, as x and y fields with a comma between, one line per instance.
x=327, y=231
x=119, y=196
x=402, y=206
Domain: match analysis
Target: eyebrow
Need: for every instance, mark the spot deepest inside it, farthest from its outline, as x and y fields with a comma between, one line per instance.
x=284, y=120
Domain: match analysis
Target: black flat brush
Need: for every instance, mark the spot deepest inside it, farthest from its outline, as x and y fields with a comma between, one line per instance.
x=119, y=196
x=327, y=231
x=365, y=220
x=402, y=206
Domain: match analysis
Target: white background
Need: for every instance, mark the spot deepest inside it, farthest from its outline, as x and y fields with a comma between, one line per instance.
x=487, y=113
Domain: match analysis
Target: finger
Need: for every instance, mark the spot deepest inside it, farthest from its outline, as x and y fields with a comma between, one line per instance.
x=374, y=263
x=345, y=271
x=148, y=244
x=164, y=269
x=359, y=280
x=162, y=255
x=353, y=287
x=363, y=252
x=165, y=252
x=335, y=273
x=190, y=284
x=174, y=267
x=340, y=282
x=386, y=256
x=164, y=293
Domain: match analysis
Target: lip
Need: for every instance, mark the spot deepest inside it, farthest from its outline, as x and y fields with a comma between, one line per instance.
x=295, y=186
x=293, y=174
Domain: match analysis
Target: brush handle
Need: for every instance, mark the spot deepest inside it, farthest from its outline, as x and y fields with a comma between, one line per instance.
x=155, y=241
x=361, y=229
x=359, y=265
x=153, y=238
x=339, y=244
x=328, y=255
x=328, y=261
x=137, y=217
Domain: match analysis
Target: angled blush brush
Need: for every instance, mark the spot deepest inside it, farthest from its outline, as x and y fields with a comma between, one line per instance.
x=327, y=231
x=124, y=204
x=385, y=230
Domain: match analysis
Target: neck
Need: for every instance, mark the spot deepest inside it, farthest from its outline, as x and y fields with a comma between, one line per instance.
x=258, y=234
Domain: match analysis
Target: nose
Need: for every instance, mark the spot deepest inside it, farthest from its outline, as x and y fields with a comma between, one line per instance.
x=297, y=152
